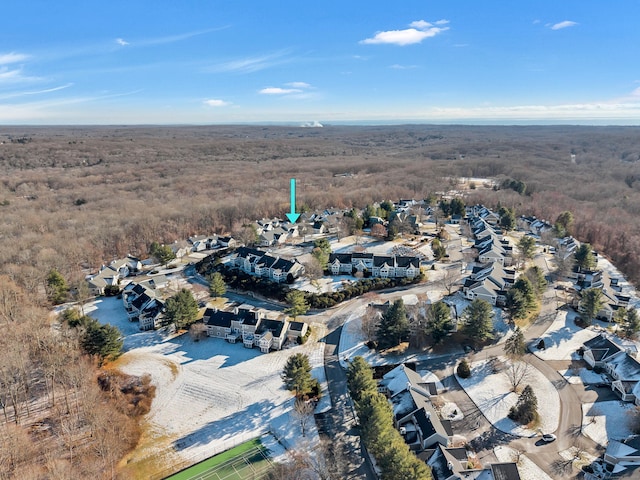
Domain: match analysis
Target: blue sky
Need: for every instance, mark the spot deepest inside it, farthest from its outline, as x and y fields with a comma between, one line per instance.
x=210, y=61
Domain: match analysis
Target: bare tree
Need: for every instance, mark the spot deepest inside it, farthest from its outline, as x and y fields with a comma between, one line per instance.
x=517, y=372
x=303, y=412
x=197, y=331
x=370, y=322
x=449, y=279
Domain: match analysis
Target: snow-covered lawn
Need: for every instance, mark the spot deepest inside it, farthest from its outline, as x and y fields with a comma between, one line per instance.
x=602, y=421
x=491, y=392
x=527, y=469
x=584, y=376
x=563, y=337
x=209, y=393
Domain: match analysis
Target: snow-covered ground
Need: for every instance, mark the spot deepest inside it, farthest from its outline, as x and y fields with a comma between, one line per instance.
x=564, y=337
x=602, y=421
x=491, y=392
x=527, y=469
x=210, y=392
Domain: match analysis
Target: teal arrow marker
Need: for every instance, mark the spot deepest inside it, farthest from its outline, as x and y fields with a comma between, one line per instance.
x=293, y=216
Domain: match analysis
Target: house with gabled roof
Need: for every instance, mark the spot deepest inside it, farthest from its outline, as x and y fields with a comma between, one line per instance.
x=262, y=264
x=625, y=372
x=217, y=322
x=414, y=415
x=623, y=455
x=599, y=350
x=384, y=266
x=270, y=334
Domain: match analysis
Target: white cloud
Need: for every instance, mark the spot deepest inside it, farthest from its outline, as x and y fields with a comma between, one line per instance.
x=417, y=33
x=216, y=102
x=420, y=24
x=279, y=91
x=565, y=24
x=397, y=66
x=298, y=85
x=121, y=42
x=252, y=64
x=8, y=58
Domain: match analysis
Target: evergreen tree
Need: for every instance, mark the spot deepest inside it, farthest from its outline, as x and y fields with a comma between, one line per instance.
x=104, y=341
x=394, y=326
x=527, y=246
x=298, y=302
x=525, y=410
x=516, y=304
x=439, y=321
x=439, y=250
x=535, y=275
x=217, y=287
x=514, y=346
x=360, y=379
x=591, y=302
x=182, y=308
x=507, y=218
x=57, y=289
x=631, y=324
x=456, y=206
x=162, y=253
x=564, y=224
x=463, y=370
x=478, y=320
x=585, y=260
x=297, y=375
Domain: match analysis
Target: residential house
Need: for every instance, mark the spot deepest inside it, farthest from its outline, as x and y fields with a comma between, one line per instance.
x=414, y=415
x=623, y=455
x=202, y=242
x=296, y=330
x=384, y=266
x=489, y=282
x=152, y=315
x=227, y=242
x=261, y=264
x=625, y=372
x=599, y=350
x=113, y=274
x=218, y=322
x=270, y=334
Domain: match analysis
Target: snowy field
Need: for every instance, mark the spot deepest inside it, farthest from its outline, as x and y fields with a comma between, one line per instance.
x=210, y=394
x=352, y=344
x=564, y=337
x=527, y=469
x=491, y=393
x=602, y=421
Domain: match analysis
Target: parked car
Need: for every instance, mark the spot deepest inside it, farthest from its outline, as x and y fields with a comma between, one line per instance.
x=548, y=437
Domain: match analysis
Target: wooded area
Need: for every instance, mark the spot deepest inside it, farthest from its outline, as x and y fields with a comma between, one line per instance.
x=74, y=198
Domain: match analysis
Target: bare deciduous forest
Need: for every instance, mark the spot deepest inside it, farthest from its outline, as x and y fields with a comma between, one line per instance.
x=73, y=198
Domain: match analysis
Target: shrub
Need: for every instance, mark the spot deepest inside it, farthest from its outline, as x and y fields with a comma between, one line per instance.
x=463, y=370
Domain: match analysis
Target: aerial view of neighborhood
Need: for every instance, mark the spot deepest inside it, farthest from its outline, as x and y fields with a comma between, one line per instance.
x=319, y=241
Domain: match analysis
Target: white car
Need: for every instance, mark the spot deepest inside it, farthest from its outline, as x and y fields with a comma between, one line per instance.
x=548, y=437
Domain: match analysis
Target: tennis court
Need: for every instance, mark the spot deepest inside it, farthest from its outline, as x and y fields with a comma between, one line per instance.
x=249, y=461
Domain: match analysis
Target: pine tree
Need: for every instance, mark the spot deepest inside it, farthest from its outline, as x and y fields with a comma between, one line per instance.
x=527, y=246
x=298, y=302
x=525, y=410
x=217, y=287
x=439, y=321
x=631, y=324
x=182, y=308
x=463, y=370
x=297, y=375
x=514, y=346
x=360, y=379
x=394, y=326
x=104, y=341
x=585, y=260
x=478, y=320
x=590, y=304
x=57, y=289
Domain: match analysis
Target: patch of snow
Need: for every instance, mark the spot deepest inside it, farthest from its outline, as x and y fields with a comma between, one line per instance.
x=602, y=421
x=563, y=337
x=491, y=392
x=527, y=469
x=210, y=394
x=585, y=376
x=450, y=411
